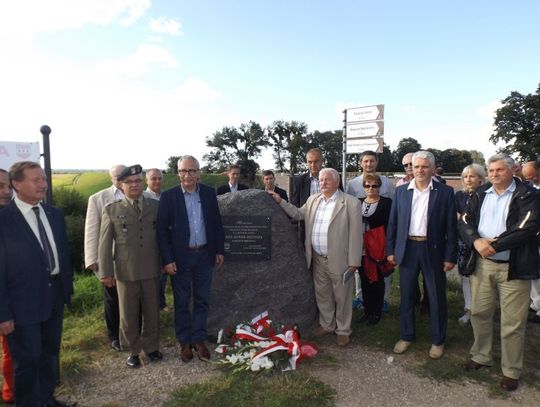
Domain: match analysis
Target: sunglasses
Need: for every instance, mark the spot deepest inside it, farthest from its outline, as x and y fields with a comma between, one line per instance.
x=407, y=165
x=367, y=186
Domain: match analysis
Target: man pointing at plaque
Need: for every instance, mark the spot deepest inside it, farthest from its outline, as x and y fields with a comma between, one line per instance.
x=191, y=243
x=333, y=251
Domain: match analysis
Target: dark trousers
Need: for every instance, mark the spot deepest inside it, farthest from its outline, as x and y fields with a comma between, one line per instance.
x=112, y=313
x=372, y=294
x=35, y=350
x=196, y=275
x=417, y=258
x=162, y=287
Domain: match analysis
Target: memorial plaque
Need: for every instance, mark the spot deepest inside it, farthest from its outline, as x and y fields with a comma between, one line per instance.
x=248, y=237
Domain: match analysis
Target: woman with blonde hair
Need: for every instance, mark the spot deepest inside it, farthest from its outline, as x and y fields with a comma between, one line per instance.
x=472, y=177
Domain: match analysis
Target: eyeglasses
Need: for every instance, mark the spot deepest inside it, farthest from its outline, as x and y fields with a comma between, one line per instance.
x=132, y=181
x=367, y=186
x=407, y=165
x=191, y=172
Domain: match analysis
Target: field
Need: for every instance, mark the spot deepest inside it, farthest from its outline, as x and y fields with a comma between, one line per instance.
x=88, y=183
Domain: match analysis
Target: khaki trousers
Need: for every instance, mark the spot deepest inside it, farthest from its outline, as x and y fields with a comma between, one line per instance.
x=133, y=296
x=334, y=300
x=490, y=284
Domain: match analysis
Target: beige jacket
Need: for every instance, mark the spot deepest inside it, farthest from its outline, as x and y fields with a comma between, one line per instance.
x=345, y=230
x=128, y=248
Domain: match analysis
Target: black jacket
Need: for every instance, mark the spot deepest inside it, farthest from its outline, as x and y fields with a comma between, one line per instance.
x=521, y=235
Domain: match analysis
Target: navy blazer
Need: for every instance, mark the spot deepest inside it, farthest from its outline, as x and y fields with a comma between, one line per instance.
x=25, y=294
x=173, y=225
x=224, y=189
x=441, y=224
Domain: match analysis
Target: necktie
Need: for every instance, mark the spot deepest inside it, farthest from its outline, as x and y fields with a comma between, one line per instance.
x=47, y=248
x=136, y=206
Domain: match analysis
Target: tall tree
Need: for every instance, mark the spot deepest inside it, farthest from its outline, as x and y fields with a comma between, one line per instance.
x=172, y=164
x=517, y=123
x=287, y=141
x=239, y=146
x=478, y=157
x=405, y=145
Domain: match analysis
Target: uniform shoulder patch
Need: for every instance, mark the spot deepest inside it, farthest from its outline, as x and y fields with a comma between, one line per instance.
x=113, y=202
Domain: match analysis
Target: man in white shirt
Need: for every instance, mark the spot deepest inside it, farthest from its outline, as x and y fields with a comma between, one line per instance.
x=154, y=182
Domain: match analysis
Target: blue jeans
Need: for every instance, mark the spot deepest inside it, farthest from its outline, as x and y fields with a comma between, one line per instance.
x=196, y=274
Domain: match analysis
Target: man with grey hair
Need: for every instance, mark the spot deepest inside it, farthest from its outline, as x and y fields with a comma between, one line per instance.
x=191, y=243
x=500, y=225
x=333, y=245
x=406, y=161
x=422, y=235
x=154, y=183
x=96, y=203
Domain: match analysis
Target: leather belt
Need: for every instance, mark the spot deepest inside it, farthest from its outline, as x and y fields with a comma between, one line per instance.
x=197, y=248
x=417, y=238
x=498, y=261
x=320, y=255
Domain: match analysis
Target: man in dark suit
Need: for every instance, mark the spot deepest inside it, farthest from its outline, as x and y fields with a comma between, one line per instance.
x=232, y=186
x=422, y=235
x=307, y=184
x=36, y=281
x=191, y=242
x=269, y=181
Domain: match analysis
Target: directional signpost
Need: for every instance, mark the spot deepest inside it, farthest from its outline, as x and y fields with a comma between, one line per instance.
x=363, y=130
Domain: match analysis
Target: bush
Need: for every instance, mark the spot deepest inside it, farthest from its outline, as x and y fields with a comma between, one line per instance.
x=70, y=200
x=75, y=233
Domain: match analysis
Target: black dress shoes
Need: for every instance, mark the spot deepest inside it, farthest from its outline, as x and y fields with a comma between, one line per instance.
x=155, y=356
x=133, y=361
x=115, y=344
x=535, y=319
x=58, y=403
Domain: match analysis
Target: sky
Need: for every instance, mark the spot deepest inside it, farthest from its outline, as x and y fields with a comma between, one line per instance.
x=137, y=81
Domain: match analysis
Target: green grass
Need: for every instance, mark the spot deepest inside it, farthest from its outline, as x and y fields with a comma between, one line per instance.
x=292, y=389
x=459, y=339
x=88, y=183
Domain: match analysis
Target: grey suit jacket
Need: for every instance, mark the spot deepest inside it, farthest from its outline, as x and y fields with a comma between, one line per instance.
x=96, y=203
x=345, y=231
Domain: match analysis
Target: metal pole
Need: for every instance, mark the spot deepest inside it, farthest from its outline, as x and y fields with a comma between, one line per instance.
x=344, y=166
x=46, y=131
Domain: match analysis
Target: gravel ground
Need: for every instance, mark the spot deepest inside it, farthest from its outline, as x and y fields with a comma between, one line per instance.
x=361, y=377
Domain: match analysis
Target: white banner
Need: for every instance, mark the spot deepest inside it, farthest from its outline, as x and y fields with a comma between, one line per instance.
x=13, y=151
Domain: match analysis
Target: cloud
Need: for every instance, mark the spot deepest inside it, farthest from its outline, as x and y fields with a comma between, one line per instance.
x=409, y=109
x=488, y=111
x=195, y=90
x=24, y=18
x=139, y=63
x=166, y=25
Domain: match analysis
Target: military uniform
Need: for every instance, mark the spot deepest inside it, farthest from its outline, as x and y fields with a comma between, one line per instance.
x=128, y=239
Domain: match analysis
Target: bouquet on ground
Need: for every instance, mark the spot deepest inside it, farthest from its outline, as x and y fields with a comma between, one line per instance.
x=258, y=346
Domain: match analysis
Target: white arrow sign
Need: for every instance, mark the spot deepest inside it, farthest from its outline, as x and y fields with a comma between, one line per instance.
x=365, y=113
x=363, y=144
x=367, y=129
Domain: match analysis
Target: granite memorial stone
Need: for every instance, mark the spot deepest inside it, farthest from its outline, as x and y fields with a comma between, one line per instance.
x=265, y=266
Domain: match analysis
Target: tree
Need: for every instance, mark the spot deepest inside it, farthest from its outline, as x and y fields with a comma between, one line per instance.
x=517, y=123
x=239, y=146
x=286, y=140
x=478, y=157
x=454, y=160
x=405, y=145
x=172, y=164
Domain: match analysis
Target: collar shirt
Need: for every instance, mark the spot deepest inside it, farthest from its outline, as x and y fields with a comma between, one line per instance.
x=314, y=185
x=321, y=221
x=197, y=231
x=493, y=215
x=419, y=209
x=117, y=192
x=355, y=187
x=148, y=193
x=233, y=188
x=31, y=219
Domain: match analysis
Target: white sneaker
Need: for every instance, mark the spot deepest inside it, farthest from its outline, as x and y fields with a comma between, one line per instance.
x=465, y=319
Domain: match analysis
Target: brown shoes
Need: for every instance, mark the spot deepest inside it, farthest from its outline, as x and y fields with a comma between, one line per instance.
x=186, y=354
x=343, y=340
x=319, y=331
x=202, y=351
x=509, y=384
x=472, y=365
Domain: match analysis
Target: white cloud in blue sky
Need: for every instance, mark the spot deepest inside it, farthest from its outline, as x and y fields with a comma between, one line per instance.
x=139, y=80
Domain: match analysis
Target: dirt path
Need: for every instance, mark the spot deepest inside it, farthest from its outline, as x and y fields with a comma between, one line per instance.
x=361, y=377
